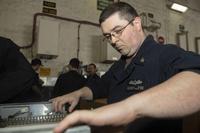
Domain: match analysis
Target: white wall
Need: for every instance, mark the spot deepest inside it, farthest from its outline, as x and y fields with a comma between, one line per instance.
x=16, y=22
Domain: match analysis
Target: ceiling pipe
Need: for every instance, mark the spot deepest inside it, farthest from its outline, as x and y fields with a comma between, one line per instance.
x=56, y=17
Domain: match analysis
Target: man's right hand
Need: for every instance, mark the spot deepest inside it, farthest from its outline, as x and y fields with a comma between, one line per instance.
x=71, y=98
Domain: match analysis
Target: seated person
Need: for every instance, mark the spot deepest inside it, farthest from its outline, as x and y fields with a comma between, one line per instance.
x=69, y=81
x=36, y=64
x=16, y=74
x=91, y=71
x=161, y=40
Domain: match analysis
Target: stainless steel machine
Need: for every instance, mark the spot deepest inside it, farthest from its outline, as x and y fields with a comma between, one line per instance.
x=35, y=117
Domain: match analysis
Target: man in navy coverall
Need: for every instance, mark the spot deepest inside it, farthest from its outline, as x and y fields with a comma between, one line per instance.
x=146, y=88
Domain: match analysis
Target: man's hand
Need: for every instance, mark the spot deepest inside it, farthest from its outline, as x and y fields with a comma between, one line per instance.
x=114, y=114
x=71, y=98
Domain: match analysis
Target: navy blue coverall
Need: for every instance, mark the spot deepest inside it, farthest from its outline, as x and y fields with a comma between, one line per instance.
x=152, y=65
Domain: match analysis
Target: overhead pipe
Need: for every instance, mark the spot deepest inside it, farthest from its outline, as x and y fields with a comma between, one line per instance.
x=56, y=17
x=78, y=38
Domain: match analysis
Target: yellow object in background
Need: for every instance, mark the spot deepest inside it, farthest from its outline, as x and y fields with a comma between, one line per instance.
x=45, y=71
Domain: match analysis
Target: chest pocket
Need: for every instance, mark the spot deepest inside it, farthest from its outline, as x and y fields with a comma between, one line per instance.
x=137, y=82
x=135, y=85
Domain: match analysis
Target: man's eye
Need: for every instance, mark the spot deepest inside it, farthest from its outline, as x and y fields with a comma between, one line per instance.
x=107, y=36
x=118, y=31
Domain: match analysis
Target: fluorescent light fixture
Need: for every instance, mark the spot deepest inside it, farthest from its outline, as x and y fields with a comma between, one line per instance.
x=179, y=7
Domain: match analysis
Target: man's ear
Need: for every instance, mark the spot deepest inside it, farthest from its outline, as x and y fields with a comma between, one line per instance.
x=138, y=23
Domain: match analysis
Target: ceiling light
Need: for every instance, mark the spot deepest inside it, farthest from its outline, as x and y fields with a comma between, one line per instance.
x=179, y=7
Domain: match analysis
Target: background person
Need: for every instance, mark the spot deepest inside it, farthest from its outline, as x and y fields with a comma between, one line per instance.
x=36, y=63
x=91, y=71
x=161, y=40
x=69, y=81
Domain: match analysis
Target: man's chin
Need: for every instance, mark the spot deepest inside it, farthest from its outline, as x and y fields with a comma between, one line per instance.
x=128, y=56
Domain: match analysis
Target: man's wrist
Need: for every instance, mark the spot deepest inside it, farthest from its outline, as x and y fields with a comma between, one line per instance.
x=85, y=93
x=134, y=105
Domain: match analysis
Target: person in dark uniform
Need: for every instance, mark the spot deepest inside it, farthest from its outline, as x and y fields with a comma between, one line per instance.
x=36, y=63
x=161, y=40
x=69, y=81
x=91, y=71
x=149, y=87
x=16, y=74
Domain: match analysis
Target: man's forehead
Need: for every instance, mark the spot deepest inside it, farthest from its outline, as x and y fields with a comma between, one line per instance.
x=111, y=22
x=91, y=66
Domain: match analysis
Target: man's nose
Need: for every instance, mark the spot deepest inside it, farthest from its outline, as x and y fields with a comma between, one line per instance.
x=113, y=40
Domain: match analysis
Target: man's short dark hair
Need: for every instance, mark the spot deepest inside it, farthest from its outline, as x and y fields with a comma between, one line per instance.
x=92, y=64
x=36, y=61
x=125, y=10
x=74, y=62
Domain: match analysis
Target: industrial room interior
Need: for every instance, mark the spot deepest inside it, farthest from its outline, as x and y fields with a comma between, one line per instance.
x=57, y=30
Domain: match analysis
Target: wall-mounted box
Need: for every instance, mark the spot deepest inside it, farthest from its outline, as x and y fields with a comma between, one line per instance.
x=48, y=37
